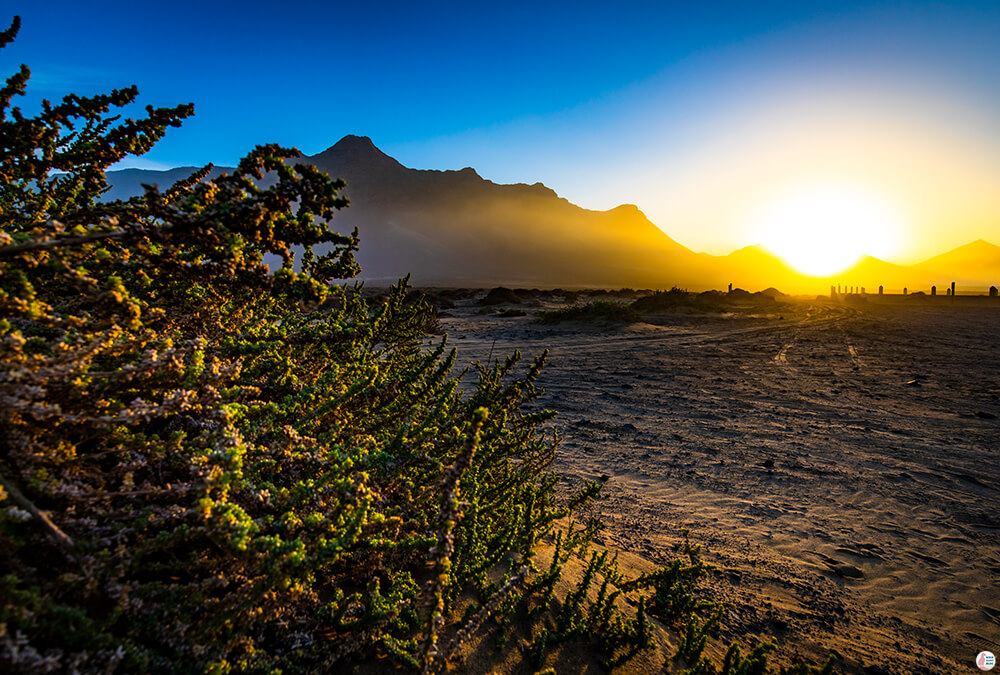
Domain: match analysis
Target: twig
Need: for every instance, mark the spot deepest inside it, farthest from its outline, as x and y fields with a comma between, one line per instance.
x=473, y=624
x=451, y=513
x=55, y=533
x=61, y=241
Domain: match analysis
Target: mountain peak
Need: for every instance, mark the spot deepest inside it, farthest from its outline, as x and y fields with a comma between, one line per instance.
x=352, y=142
x=977, y=257
x=627, y=208
x=979, y=245
x=356, y=150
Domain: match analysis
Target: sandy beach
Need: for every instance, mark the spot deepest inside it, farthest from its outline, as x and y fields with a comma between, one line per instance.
x=837, y=461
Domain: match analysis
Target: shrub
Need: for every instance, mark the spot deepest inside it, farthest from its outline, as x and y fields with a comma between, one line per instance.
x=207, y=466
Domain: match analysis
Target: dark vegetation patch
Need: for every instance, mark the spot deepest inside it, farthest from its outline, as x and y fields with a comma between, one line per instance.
x=594, y=311
x=567, y=296
x=736, y=300
x=676, y=298
x=501, y=296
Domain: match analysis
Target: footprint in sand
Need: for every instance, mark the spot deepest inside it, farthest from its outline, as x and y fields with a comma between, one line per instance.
x=780, y=358
x=937, y=562
x=839, y=567
x=854, y=356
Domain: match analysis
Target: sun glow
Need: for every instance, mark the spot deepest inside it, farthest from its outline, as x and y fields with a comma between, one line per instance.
x=822, y=230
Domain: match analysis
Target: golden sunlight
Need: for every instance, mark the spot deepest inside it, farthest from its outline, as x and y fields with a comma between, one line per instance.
x=822, y=230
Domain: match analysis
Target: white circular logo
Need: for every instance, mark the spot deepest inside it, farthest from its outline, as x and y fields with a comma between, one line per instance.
x=986, y=660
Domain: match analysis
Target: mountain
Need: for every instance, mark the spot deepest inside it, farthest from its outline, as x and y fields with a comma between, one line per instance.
x=457, y=228
x=755, y=267
x=127, y=183
x=973, y=263
x=870, y=273
x=972, y=266
x=454, y=228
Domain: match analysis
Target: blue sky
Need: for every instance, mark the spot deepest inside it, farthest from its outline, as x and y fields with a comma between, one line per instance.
x=673, y=106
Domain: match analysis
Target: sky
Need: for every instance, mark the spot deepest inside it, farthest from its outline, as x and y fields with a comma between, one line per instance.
x=708, y=116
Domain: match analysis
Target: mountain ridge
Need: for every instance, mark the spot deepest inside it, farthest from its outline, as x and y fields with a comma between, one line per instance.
x=454, y=227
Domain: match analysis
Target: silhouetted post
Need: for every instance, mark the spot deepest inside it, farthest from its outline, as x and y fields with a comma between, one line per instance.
x=833, y=293
x=881, y=290
x=953, y=289
x=838, y=289
x=904, y=290
x=933, y=290
x=730, y=287
x=862, y=290
x=993, y=291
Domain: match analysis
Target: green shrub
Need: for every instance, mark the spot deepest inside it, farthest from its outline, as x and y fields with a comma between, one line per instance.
x=207, y=466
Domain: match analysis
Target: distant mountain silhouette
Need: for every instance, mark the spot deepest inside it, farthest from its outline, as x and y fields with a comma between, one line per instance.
x=127, y=183
x=454, y=227
x=974, y=262
x=755, y=267
x=457, y=228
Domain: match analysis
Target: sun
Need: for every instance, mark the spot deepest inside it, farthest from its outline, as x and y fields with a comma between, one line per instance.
x=824, y=229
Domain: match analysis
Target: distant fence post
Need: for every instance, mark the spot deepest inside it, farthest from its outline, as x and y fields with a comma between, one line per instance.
x=833, y=292
x=993, y=291
x=933, y=290
x=953, y=289
x=881, y=290
x=904, y=290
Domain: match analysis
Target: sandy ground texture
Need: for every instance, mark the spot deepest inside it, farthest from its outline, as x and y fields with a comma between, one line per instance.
x=838, y=461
